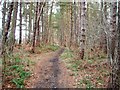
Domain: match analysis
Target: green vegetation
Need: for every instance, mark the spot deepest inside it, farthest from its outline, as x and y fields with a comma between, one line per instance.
x=68, y=57
x=47, y=48
x=86, y=82
x=52, y=47
x=93, y=71
x=16, y=70
x=68, y=54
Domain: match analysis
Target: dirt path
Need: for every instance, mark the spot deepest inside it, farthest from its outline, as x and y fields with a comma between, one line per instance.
x=51, y=72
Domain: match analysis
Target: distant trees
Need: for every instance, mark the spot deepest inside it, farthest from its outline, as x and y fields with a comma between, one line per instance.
x=37, y=28
x=84, y=27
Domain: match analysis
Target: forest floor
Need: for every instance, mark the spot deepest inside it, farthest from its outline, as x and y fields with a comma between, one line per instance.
x=61, y=69
x=50, y=72
x=55, y=67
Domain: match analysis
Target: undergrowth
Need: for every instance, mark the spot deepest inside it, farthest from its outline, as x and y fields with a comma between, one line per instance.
x=16, y=71
x=93, y=72
x=68, y=54
x=47, y=48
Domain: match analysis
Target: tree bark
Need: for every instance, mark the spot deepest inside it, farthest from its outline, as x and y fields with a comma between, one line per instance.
x=83, y=29
x=35, y=26
x=40, y=8
x=6, y=28
x=30, y=23
x=50, y=22
x=12, y=35
x=75, y=26
x=20, y=15
x=111, y=46
x=4, y=39
x=115, y=75
x=3, y=14
x=71, y=32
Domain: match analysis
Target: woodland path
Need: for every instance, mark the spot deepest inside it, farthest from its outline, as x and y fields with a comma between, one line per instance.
x=51, y=72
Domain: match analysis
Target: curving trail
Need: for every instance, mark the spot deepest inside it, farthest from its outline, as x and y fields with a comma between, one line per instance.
x=51, y=72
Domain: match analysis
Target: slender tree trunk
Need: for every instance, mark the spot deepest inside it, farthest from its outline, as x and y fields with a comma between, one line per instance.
x=71, y=33
x=112, y=31
x=115, y=76
x=61, y=28
x=4, y=39
x=75, y=27
x=30, y=23
x=35, y=26
x=6, y=28
x=78, y=24
x=40, y=7
x=39, y=19
x=83, y=29
x=42, y=26
x=113, y=28
x=46, y=24
x=3, y=14
x=20, y=34
x=105, y=36
x=12, y=36
x=50, y=29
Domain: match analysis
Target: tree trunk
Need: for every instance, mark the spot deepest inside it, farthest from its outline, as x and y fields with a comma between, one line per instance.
x=46, y=24
x=50, y=29
x=20, y=34
x=12, y=35
x=75, y=17
x=113, y=28
x=6, y=28
x=42, y=22
x=105, y=36
x=3, y=14
x=4, y=39
x=71, y=33
x=30, y=23
x=83, y=28
x=61, y=27
x=35, y=26
x=115, y=76
x=78, y=27
x=112, y=31
x=40, y=8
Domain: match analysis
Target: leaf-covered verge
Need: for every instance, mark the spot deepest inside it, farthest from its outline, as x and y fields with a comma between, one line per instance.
x=89, y=73
x=16, y=70
x=19, y=65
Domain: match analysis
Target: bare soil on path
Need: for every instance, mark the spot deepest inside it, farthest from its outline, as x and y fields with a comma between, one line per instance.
x=50, y=72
